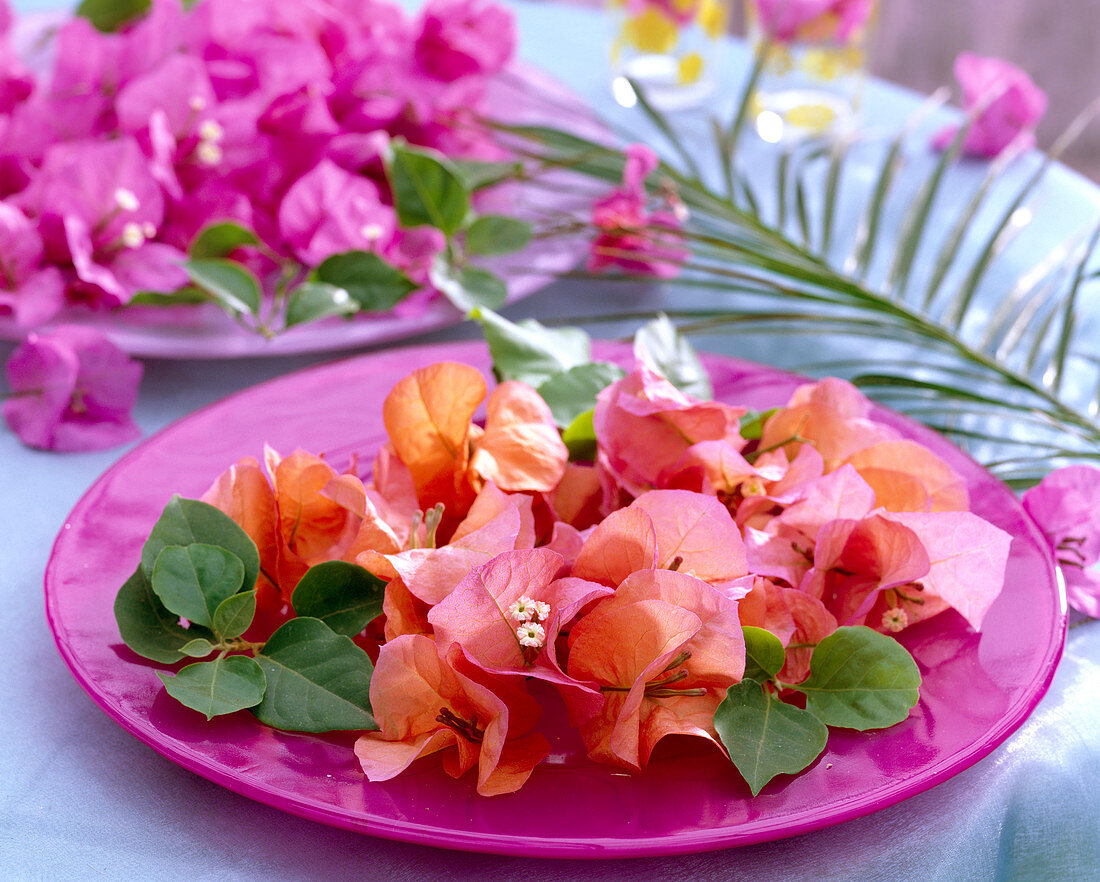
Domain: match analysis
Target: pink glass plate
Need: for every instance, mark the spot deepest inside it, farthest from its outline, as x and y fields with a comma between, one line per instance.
x=522, y=95
x=977, y=688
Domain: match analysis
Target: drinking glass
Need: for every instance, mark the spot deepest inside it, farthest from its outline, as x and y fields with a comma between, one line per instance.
x=669, y=48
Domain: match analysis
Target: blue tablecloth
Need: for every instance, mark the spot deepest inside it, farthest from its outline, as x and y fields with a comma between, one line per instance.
x=81, y=799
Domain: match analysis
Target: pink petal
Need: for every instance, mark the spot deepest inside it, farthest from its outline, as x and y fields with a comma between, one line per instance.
x=968, y=558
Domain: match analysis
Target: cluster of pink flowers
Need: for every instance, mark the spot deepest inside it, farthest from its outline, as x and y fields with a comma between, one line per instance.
x=1007, y=104
x=270, y=114
x=629, y=234
x=623, y=582
x=835, y=20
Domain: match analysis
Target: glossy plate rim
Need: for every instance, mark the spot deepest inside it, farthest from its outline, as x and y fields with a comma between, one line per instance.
x=499, y=841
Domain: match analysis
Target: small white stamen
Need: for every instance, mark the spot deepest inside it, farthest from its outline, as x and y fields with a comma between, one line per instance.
x=531, y=634
x=132, y=236
x=197, y=103
x=211, y=130
x=523, y=610
x=208, y=153
x=126, y=199
x=371, y=232
x=149, y=229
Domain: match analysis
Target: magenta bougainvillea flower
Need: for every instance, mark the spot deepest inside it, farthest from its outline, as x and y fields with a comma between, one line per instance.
x=464, y=37
x=28, y=292
x=786, y=20
x=1008, y=102
x=633, y=237
x=71, y=389
x=273, y=115
x=329, y=210
x=1066, y=506
x=16, y=82
x=99, y=207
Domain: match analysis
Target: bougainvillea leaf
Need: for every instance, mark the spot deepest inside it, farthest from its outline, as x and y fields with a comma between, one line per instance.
x=573, y=392
x=317, y=300
x=531, y=352
x=198, y=648
x=373, y=284
x=427, y=191
x=186, y=521
x=221, y=686
x=468, y=287
x=147, y=627
x=764, y=654
x=235, y=614
x=220, y=238
x=497, y=234
x=766, y=737
x=342, y=595
x=233, y=287
x=860, y=679
x=193, y=580
x=660, y=345
x=317, y=680
x=110, y=15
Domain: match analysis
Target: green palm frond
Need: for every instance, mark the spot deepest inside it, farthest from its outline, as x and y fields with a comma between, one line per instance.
x=775, y=260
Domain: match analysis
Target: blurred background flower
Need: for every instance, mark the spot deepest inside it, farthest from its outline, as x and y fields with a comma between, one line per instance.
x=916, y=45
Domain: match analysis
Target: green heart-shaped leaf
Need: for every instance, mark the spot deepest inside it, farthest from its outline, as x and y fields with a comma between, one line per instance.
x=233, y=287
x=764, y=654
x=469, y=287
x=110, y=15
x=222, y=686
x=529, y=351
x=580, y=437
x=193, y=580
x=187, y=521
x=861, y=679
x=373, y=284
x=221, y=238
x=497, y=234
x=766, y=737
x=317, y=680
x=318, y=300
x=426, y=190
x=571, y=392
x=342, y=595
x=235, y=614
x=147, y=627
x=660, y=345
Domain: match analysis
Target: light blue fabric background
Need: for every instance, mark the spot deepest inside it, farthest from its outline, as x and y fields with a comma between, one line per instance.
x=81, y=799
